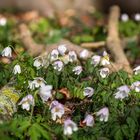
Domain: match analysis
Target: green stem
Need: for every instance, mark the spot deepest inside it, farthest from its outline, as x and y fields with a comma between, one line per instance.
x=32, y=109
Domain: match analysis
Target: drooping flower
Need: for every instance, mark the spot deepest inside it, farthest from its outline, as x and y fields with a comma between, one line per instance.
x=69, y=127
x=136, y=86
x=58, y=65
x=53, y=104
x=7, y=52
x=57, y=110
x=72, y=56
x=39, y=62
x=95, y=60
x=104, y=72
x=124, y=17
x=105, y=59
x=136, y=70
x=54, y=55
x=89, y=120
x=36, y=83
x=62, y=49
x=17, y=69
x=122, y=92
x=84, y=54
x=3, y=21
x=104, y=114
x=88, y=91
x=77, y=70
x=26, y=102
x=45, y=92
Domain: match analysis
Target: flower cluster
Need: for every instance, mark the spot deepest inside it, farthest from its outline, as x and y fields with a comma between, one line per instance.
x=58, y=59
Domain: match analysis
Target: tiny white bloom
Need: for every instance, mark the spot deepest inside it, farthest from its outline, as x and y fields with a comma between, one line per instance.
x=69, y=127
x=31, y=85
x=105, y=59
x=72, y=56
x=88, y=91
x=137, y=16
x=39, y=62
x=77, y=70
x=57, y=110
x=62, y=49
x=122, y=92
x=104, y=114
x=36, y=83
x=89, y=120
x=58, y=65
x=3, y=21
x=124, y=17
x=84, y=54
x=95, y=60
x=54, y=55
x=136, y=70
x=104, y=72
x=136, y=86
x=7, y=52
x=26, y=102
x=45, y=92
x=17, y=69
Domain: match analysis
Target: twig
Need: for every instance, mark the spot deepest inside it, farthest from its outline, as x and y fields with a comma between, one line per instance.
x=33, y=48
x=37, y=49
x=113, y=40
x=94, y=45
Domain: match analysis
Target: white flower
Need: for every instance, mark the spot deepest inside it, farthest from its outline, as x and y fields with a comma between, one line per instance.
x=104, y=114
x=65, y=59
x=17, y=69
x=57, y=110
x=124, y=17
x=95, y=60
x=53, y=104
x=54, y=55
x=39, y=62
x=62, y=49
x=36, y=83
x=7, y=52
x=122, y=92
x=69, y=127
x=84, y=54
x=77, y=70
x=3, y=21
x=58, y=65
x=105, y=59
x=88, y=91
x=26, y=102
x=104, y=72
x=45, y=92
x=72, y=56
x=136, y=70
x=136, y=86
x=137, y=16
x=89, y=120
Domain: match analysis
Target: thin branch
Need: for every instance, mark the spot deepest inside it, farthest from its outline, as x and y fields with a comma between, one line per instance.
x=113, y=40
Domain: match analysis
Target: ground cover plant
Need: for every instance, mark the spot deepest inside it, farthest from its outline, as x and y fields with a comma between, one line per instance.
x=63, y=91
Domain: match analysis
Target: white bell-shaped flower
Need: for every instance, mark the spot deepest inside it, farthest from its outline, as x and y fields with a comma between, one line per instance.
x=17, y=69
x=7, y=52
x=104, y=114
x=69, y=127
x=77, y=70
x=26, y=102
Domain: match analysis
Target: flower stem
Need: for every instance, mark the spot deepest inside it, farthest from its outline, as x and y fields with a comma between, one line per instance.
x=32, y=109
